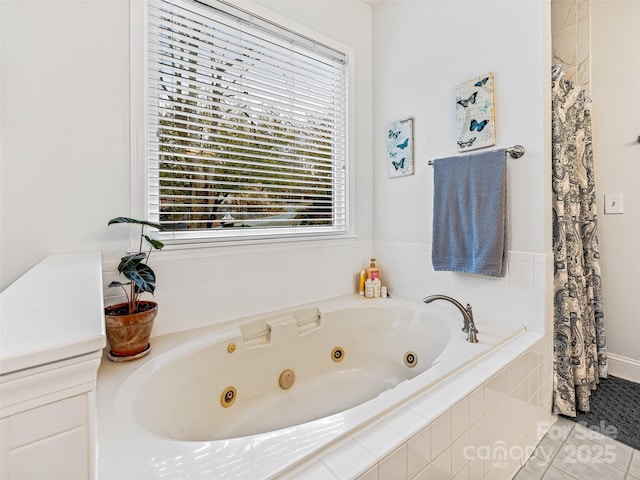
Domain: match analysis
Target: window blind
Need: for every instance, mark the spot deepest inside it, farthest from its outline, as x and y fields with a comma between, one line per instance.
x=247, y=125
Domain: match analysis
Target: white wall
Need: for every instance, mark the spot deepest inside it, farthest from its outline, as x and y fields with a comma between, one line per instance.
x=65, y=128
x=616, y=125
x=66, y=167
x=443, y=43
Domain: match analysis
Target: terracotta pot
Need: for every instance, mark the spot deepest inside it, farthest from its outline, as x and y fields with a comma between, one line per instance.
x=129, y=334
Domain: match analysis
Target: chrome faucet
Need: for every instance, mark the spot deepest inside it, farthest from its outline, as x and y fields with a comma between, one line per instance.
x=469, y=326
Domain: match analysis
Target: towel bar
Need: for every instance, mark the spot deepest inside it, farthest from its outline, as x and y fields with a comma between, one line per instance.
x=516, y=152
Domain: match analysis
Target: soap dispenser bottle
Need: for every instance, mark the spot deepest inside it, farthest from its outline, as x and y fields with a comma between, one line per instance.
x=373, y=272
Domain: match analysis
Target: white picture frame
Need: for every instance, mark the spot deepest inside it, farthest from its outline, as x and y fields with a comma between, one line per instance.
x=475, y=113
x=400, y=148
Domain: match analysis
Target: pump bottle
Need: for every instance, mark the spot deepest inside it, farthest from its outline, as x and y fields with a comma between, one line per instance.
x=372, y=271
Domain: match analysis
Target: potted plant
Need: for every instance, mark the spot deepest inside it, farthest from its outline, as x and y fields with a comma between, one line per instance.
x=129, y=324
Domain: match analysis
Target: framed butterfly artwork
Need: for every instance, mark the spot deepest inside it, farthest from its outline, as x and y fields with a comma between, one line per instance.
x=400, y=148
x=475, y=113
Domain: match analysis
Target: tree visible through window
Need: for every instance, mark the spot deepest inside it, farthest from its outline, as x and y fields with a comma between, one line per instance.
x=247, y=125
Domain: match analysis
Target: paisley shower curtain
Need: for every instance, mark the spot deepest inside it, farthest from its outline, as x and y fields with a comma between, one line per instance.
x=580, y=355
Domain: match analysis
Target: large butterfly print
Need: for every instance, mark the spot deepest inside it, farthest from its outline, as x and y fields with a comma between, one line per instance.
x=475, y=125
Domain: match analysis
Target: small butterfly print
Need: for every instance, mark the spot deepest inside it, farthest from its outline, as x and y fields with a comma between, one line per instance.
x=393, y=134
x=393, y=154
x=471, y=99
x=399, y=165
x=466, y=144
x=475, y=125
x=481, y=82
x=403, y=145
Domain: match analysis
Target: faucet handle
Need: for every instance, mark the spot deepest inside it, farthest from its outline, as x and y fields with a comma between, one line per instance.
x=468, y=318
x=473, y=324
x=472, y=335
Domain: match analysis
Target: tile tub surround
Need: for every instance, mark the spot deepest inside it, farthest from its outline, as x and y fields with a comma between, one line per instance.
x=198, y=287
x=524, y=293
x=482, y=423
x=466, y=402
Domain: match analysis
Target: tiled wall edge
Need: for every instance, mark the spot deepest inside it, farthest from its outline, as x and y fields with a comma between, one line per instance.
x=209, y=289
x=189, y=292
x=523, y=292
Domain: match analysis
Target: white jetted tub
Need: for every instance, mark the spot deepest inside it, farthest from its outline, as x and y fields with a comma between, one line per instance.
x=252, y=399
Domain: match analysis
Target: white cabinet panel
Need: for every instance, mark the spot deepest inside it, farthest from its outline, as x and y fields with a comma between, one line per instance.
x=47, y=420
x=64, y=456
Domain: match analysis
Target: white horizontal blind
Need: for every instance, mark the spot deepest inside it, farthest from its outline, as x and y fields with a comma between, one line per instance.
x=247, y=126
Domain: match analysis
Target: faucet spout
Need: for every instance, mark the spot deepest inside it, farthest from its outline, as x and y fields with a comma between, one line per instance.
x=469, y=326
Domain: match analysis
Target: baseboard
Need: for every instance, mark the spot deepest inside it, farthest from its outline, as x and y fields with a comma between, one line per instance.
x=624, y=367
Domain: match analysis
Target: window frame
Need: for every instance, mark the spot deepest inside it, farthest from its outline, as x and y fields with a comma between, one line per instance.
x=140, y=184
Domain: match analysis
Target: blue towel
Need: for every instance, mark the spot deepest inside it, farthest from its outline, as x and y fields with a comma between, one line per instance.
x=470, y=213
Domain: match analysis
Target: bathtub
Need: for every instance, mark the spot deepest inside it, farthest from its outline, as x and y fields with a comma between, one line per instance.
x=258, y=397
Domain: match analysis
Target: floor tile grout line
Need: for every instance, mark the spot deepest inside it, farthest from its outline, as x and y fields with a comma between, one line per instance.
x=561, y=446
x=557, y=452
x=626, y=472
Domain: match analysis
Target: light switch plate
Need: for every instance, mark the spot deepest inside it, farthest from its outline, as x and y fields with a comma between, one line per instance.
x=613, y=203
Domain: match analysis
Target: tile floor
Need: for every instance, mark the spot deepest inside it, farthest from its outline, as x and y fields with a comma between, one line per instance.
x=572, y=451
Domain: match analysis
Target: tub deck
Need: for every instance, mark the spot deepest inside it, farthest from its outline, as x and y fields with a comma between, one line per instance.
x=126, y=450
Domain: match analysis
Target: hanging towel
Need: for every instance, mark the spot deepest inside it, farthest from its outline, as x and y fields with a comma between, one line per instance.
x=470, y=213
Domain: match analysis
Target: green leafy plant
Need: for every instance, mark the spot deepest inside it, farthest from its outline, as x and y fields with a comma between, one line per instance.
x=134, y=267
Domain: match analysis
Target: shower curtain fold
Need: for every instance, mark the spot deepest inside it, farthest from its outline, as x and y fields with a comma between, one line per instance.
x=580, y=355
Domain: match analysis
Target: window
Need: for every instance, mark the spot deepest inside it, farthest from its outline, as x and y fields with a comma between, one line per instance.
x=247, y=126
